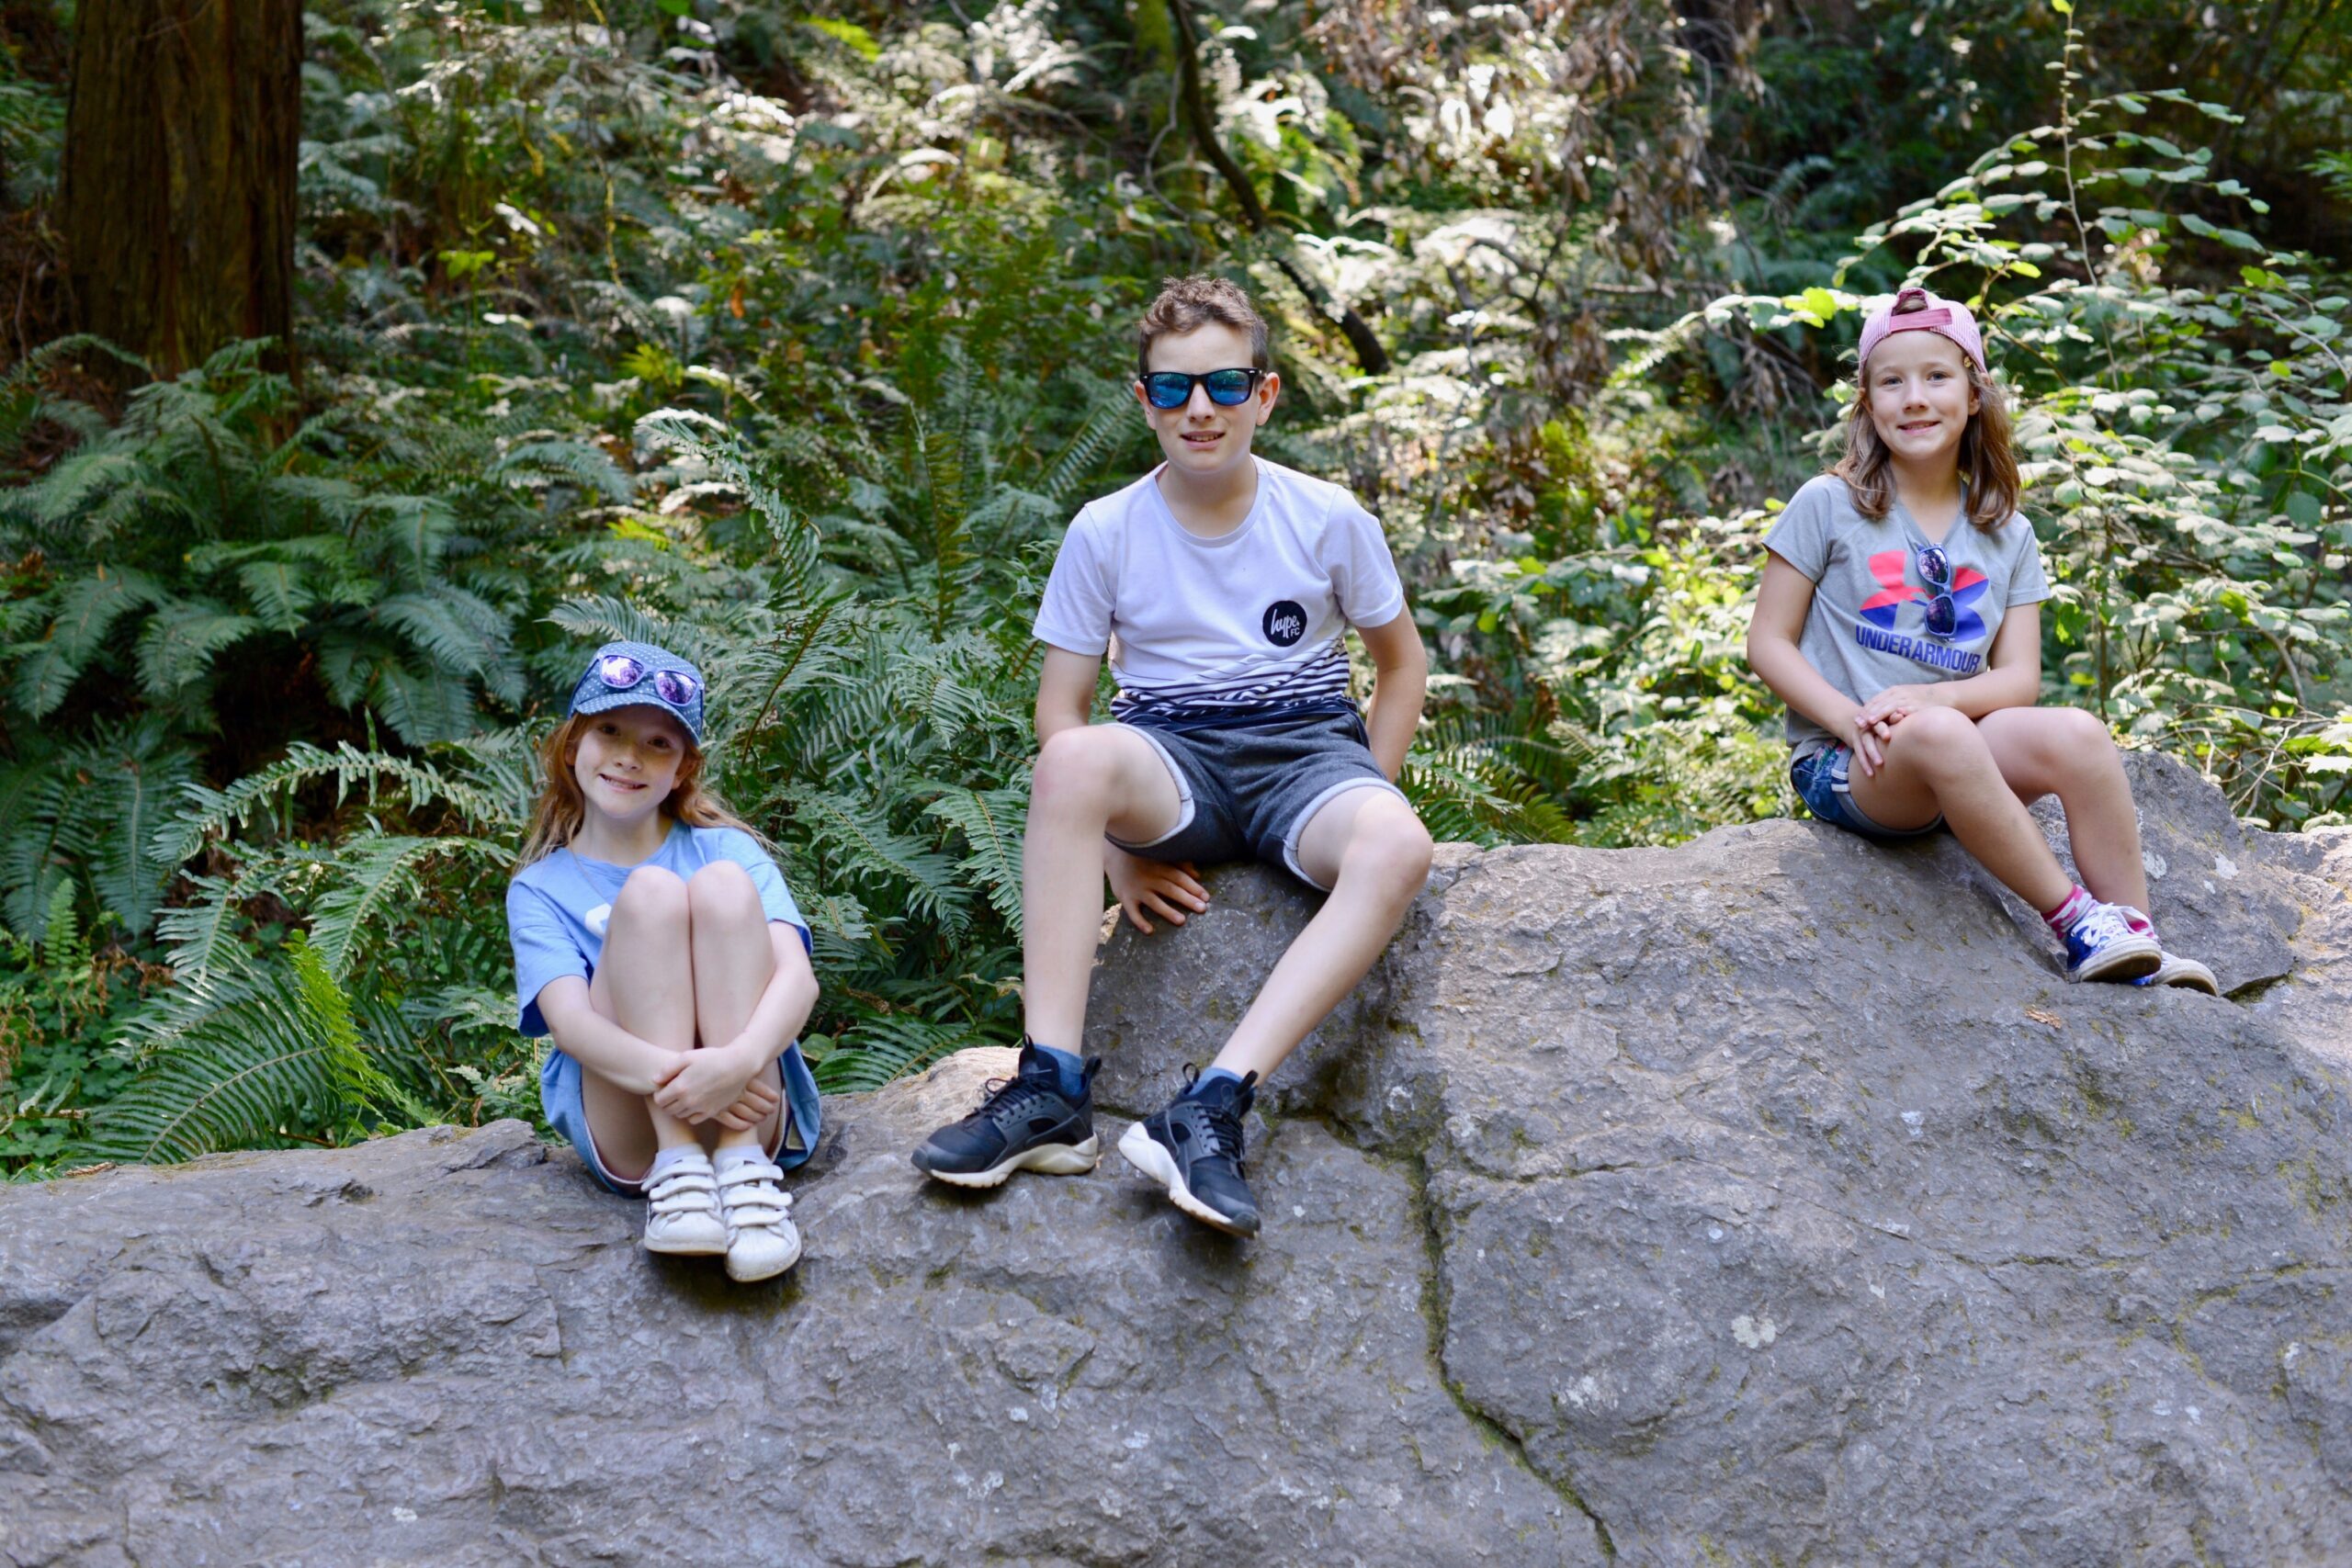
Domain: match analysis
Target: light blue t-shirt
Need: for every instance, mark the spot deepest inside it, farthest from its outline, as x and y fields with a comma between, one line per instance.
x=555, y=913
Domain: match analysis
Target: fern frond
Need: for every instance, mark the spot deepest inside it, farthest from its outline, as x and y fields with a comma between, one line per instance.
x=371, y=874
x=882, y=1049
x=136, y=774
x=866, y=849
x=181, y=638
x=990, y=823
x=578, y=462
x=1109, y=425
x=209, y=811
x=241, y=1066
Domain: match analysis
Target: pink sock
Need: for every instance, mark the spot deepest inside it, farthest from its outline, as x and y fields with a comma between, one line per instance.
x=2140, y=925
x=2070, y=908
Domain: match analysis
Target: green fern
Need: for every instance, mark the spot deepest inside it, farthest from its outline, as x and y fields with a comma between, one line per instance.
x=884, y=1049
x=990, y=821
x=252, y=1058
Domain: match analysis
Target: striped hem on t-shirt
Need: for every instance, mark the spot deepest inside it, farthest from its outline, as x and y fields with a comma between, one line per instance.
x=1318, y=683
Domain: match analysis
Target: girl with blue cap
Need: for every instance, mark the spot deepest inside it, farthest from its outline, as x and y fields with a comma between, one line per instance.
x=655, y=940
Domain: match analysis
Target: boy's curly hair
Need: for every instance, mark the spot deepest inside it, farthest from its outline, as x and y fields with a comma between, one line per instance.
x=1185, y=304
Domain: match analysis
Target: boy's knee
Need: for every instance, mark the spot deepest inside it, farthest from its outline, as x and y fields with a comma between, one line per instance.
x=653, y=893
x=1081, y=760
x=722, y=890
x=1390, y=852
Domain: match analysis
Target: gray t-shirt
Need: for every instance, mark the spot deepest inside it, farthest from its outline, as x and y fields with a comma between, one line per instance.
x=1866, y=629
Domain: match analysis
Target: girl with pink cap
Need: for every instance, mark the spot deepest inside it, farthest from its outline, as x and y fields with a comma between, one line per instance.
x=1900, y=619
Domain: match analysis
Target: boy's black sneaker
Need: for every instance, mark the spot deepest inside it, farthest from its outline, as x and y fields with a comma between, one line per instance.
x=1193, y=1148
x=1026, y=1123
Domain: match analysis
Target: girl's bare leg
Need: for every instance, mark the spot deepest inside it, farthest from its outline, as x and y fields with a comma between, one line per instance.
x=2068, y=752
x=644, y=982
x=1939, y=760
x=733, y=962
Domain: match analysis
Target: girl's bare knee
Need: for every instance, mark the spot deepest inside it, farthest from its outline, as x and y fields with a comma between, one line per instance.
x=723, y=891
x=2079, y=740
x=1940, y=741
x=651, y=893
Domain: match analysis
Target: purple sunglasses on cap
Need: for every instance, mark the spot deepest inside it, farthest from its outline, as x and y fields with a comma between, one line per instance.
x=620, y=672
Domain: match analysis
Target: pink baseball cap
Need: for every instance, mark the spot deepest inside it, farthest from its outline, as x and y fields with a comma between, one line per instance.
x=1917, y=310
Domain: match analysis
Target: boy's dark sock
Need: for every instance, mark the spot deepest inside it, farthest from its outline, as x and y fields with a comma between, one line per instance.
x=1214, y=1075
x=1070, y=1069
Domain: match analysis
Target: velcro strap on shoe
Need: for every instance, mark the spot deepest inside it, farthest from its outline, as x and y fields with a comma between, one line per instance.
x=683, y=1190
x=748, y=1190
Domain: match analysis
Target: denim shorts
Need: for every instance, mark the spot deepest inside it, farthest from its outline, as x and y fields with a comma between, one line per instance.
x=1820, y=778
x=566, y=1108
x=1251, y=789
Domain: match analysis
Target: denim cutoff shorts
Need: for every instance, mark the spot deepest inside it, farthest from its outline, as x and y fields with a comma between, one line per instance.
x=1249, y=789
x=566, y=1108
x=1820, y=778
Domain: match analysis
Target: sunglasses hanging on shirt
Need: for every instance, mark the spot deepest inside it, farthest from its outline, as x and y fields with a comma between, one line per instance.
x=1935, y=570
x=1167, y=390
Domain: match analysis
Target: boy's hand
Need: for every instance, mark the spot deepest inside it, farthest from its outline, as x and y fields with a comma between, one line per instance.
x=1167, y=889
x=701, y=1086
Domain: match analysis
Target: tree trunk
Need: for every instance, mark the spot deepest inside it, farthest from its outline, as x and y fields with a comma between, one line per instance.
x=1369, y=352
x=178, y=186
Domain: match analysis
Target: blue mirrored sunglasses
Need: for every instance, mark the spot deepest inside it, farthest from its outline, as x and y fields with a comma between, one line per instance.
x=1935, y=570
x=619, y=673
x=1227, y=388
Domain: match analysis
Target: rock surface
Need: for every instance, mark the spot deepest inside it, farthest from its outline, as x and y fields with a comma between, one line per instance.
x=1767, y=1200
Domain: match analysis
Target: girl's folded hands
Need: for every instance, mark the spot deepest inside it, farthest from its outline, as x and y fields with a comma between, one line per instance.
x=713, y=1084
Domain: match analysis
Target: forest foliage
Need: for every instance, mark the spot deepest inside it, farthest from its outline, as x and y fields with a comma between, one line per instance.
x=791, y=335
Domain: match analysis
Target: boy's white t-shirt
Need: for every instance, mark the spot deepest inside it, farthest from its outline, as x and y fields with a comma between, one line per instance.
x=1244, y=626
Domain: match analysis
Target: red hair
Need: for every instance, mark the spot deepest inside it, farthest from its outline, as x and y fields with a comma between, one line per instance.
x=557, y=816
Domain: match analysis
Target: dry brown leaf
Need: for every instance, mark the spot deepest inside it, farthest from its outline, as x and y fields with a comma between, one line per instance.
x=2051, y=1018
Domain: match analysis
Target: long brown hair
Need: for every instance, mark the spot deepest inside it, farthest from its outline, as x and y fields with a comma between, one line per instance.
x=557, y=816
x=1987, y=464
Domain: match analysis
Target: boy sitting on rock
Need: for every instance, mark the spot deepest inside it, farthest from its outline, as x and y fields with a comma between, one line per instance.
x=1222, y=583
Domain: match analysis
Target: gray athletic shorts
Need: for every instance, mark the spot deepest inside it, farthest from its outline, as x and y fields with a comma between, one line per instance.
x=1251, y=789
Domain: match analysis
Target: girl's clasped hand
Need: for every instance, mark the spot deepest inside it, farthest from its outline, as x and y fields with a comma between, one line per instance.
x=1874, y=722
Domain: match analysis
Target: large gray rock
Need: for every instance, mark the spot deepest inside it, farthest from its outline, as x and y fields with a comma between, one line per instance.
x=1765, y=1200
x=1791, y=1206
x=446, y=1347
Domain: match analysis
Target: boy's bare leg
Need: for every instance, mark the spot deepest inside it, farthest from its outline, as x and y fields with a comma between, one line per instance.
x=2068, y=752
x=1374, y=853
x=1088, y=780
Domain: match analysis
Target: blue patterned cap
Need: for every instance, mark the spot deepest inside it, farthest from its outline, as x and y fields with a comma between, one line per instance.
x=621, y=674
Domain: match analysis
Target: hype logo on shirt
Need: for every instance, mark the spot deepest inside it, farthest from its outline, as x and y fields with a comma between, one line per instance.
x=1883, y=608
